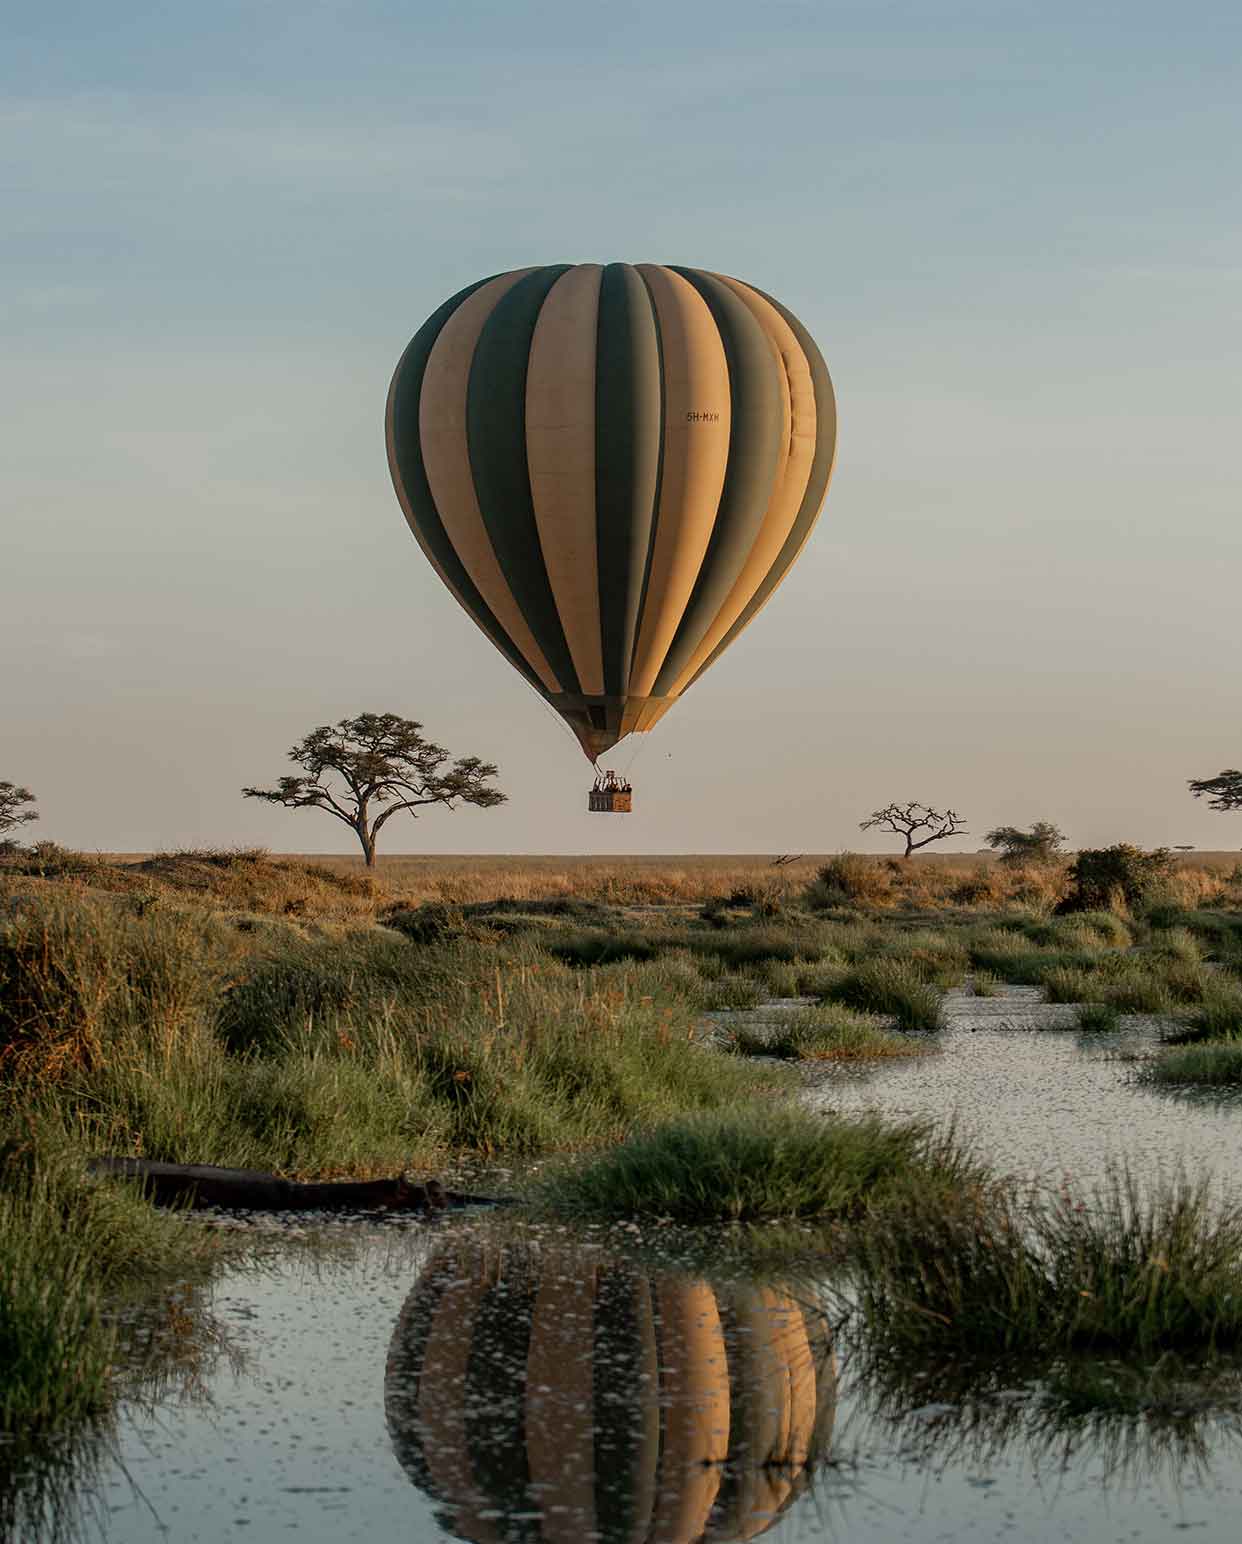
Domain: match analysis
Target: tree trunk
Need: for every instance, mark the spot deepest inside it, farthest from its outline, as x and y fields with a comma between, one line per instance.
x=367, y=842
x=909, y=844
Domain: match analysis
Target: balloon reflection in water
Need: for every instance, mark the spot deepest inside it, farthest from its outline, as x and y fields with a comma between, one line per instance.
x=558, y=1396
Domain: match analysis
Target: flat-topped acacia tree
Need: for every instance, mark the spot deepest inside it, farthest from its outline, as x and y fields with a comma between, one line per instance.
x=917, y=824
x=367, y=769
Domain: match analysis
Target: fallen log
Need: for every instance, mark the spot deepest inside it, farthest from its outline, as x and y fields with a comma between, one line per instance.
x=203, y=1185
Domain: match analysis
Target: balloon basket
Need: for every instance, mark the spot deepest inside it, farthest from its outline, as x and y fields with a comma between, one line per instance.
x=611, y=795
x=609, y=802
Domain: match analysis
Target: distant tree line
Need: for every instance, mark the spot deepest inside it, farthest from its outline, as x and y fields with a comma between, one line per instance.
x=366, y=769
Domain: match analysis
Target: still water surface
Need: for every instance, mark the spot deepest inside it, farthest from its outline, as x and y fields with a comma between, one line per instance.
x=431, y=1385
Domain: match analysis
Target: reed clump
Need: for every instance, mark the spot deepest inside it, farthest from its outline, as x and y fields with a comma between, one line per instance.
x=68, y=1246
x=994, y=1269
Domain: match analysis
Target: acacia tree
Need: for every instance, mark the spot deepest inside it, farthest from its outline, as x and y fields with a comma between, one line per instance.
x=12, y=815
x=1043, y=843
x=367, y=769
x=1224, y=791
x=908, y=820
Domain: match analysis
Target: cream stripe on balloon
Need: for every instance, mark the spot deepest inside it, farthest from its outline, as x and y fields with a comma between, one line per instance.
x=446, y=458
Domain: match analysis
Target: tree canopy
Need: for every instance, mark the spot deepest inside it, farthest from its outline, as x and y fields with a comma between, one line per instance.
x=1041, y=844
x=367, y=769
x=1223, y=792
x=12, y=813
x=909, y=819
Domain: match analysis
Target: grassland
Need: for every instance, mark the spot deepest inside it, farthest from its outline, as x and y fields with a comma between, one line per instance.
x=936, y=881
x=306, y=1017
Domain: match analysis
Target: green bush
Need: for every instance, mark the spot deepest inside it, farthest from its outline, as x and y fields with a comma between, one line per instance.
x=1031, y=967
x=590, y=946
x=935, y=957
x=781, y=977
x=731, y=990
x=1219, y=1014
x=1081, y=931
x=1041, y=844
x=1136, y=988
x=1104, y=878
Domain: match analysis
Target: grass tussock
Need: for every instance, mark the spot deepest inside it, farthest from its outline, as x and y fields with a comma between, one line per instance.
x=991, y=1270
x=895, y=988
x=757, y=1166
x=1099, y=1018
x=829, y=1032
x=84, y=980
x=1209, y=1064
x=1139, y=983
x=1218, y=1015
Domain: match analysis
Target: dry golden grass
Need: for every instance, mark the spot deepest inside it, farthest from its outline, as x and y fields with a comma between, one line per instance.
x=338, y=889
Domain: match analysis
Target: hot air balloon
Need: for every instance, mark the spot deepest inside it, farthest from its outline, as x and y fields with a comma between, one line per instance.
x=611, y=468
x=552, y=1396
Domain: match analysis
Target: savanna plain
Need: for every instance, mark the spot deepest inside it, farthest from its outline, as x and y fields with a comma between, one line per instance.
x=623, y=1048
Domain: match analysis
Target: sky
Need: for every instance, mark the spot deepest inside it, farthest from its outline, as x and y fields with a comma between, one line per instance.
x=1014, y=230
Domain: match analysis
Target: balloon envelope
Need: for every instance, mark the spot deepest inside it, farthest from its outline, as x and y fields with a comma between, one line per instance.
x=611, y=468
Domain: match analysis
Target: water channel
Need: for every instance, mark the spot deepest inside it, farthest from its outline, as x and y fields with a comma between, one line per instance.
x=494, y=1382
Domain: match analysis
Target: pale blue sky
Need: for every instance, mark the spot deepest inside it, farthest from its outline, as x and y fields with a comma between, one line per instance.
x=1015, y=231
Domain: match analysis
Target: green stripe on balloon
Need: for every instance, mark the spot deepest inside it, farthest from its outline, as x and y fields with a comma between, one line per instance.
x=628, y=447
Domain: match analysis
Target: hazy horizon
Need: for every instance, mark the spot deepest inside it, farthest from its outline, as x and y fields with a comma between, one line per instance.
x=1015, y=237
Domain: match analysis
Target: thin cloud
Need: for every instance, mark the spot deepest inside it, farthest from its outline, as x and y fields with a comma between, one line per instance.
x=99, y=139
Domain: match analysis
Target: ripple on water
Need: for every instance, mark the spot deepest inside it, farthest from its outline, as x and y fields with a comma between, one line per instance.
x=1041, y=1099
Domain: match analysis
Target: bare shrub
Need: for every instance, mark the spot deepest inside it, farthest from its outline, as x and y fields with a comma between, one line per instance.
x=850, y=879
